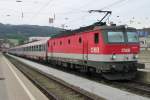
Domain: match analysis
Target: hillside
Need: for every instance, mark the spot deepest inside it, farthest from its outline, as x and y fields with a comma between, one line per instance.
x=22, y=32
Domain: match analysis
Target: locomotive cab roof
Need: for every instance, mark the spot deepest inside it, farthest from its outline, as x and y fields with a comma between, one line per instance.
x=95, y=26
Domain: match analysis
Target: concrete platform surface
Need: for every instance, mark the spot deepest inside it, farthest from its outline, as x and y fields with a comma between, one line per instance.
x=101, y=90
x=144, y=57
x=15, y=85
x=143, y=75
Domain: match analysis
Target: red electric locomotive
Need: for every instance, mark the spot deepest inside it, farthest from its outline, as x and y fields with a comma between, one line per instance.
x=108, y=50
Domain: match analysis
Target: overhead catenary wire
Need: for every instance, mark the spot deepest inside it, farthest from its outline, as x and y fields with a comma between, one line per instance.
x=73, y=11
x=105, y=7
x=113, y=4
x=40, y=10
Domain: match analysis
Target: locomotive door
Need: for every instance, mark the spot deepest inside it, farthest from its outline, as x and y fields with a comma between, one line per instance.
x=51, y=51
x=85, y=51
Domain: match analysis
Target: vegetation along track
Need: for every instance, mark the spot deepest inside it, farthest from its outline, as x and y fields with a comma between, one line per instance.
x=52, y=87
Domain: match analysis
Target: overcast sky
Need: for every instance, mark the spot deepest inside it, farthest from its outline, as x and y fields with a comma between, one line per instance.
x=73, y=13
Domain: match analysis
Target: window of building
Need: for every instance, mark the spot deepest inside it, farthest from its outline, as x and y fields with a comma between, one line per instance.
x=96, y=38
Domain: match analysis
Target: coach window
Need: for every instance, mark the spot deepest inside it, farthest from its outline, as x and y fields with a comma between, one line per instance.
x=96, y=38
x=44, y=47
x=32, y=48
x=29, y=48
x=36, y=48
x=40, y=48
x=80, y=40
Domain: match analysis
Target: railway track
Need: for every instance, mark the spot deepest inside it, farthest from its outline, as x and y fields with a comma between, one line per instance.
x=52, y=87
x=132, y=86
x=136, y=87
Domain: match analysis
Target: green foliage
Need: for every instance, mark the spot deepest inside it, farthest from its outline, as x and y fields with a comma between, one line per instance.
x=22, y=32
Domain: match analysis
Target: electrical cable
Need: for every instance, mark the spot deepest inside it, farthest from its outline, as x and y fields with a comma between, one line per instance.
x=108, y=6
x=39, y=11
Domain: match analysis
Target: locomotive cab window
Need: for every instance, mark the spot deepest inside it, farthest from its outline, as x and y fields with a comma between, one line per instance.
x=96, y=38
x=116, y=37
x=132, y=37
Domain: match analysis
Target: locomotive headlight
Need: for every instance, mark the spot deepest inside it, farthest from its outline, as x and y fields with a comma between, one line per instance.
x=135, y=56
x=114, y=57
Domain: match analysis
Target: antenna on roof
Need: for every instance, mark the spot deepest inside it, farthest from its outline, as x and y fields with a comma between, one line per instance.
x=100, y=11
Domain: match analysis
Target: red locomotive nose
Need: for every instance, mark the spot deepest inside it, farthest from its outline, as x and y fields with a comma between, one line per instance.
x=121, y=49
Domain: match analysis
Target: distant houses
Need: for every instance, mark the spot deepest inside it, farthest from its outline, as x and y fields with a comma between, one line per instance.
x=144, y=39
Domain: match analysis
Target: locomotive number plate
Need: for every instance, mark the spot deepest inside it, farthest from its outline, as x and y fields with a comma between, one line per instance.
x=125, y=50
x=95, y=50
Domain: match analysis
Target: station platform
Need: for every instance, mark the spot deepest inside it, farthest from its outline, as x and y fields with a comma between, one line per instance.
x=102, y=90
x=14, y=85
x=144, y=74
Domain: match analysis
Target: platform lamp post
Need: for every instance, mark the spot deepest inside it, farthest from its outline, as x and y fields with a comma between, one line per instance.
x=22, y=15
